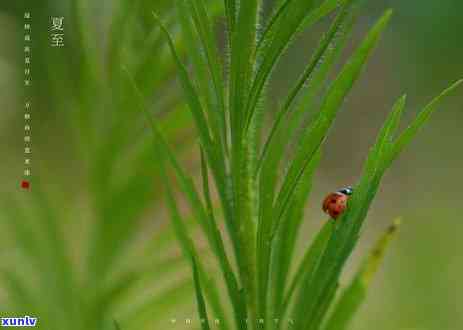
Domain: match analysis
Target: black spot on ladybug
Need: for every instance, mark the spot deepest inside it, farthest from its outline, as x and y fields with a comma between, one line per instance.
x=335, y=213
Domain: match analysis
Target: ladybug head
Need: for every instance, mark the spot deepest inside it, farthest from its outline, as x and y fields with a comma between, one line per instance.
x=346, y=191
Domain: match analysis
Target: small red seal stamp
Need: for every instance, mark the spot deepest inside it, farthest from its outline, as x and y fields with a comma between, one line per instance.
x=25, y=184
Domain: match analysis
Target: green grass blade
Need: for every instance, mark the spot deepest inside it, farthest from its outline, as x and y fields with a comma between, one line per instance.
x=207, y=223
x=268, y=179
x=269, y=227
x=276, y=41
x=373, y=170
x=188, y=250
x=272, y=262
x=344, y=237
x=215, y=299
x=308, y=264
x=285, y=242
x=398, y=110
x=230, y=13
x=326, y=48
x=420, y=120
x=206, y=33
x=377, y=162
x=211, y=149
x=231, y=280
x=355, y=293
x=190, y=92
x=241, y=72
x=270, y=165
x=346, y=233
x=199, y=297
x=116, y=325
x=324, y=9
x=117, y=33
x=384, y=141
x=195, y=53
x=315, y=136
x=290, y=129
x=185, y=181
x=241, y=66
x=270, y=27
x=186, y=243
x=206, y=190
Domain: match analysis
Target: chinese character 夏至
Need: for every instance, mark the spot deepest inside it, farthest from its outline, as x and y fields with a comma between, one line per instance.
x=57, y=23
x=57, y=40
x=57, y=32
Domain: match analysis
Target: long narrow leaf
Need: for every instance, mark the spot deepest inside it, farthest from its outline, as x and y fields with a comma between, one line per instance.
x=211, y=148
x=284, y=29
x=346, y=236
x=287, y=235
x=190, y=94
x=209, y=226
x=325, y=277
x=355, y=293
x=241, y=72
x=195, y=53
x=230, y=13
x=420, y=121
x=308, y=264
x=206, y=33
x=318, y=69
x=199, y=297
x=325, y=47
x=271, y=262
x=315, y=136
x=190, y=253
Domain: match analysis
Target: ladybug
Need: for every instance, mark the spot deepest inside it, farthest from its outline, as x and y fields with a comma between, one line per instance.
x=335, y=203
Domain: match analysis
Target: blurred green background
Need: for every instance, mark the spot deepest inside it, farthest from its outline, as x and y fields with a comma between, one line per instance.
x=84, y=125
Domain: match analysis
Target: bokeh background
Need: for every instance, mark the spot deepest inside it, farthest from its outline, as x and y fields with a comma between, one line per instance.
x=89, y=141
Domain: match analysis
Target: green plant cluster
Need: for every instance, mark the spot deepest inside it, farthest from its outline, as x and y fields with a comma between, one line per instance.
x=261, y=192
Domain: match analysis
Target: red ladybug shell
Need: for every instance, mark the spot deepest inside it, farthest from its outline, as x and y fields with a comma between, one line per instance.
x=334, y=204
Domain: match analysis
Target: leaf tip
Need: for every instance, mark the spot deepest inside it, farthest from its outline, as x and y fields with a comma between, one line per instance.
x=388, y=13
x=400, y=104
x=158, y=20
x=456, y=83
x=377, y=254
x=394, y=225
x=116, y=325
x=384, y=20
